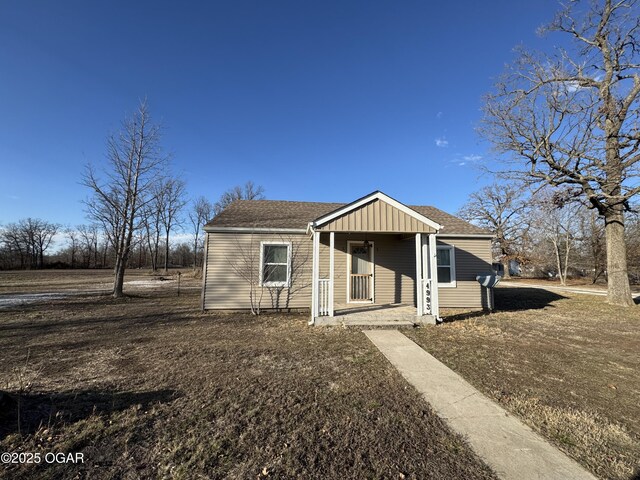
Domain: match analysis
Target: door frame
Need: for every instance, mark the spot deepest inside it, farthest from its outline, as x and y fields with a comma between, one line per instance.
x=373, y=272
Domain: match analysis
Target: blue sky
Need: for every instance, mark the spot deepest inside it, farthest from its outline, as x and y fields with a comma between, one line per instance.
x=317, y=101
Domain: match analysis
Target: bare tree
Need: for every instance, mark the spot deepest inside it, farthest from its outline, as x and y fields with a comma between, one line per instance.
x=299, y=277
x=42, y=233
x=74, y=244
x=201, y=212
x=571, y=119
x=502, y=209
x=592, y=242
x=15, y=243
x=152, y=223
x=248, y=191
x=119, y=194
x=89, y=242
x=246, y=264
x=172, y=200
x=555, y=229
x=29, y=239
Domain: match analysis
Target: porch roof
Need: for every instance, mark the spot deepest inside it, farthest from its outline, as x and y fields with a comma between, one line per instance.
x=281, y=214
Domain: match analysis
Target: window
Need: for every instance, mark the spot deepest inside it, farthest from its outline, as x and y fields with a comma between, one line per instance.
x=275, y=264
x=446, y=266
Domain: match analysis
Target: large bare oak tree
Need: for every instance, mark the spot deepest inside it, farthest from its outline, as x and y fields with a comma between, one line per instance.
x=502, y=209
x=120, y=192
x=572, y=118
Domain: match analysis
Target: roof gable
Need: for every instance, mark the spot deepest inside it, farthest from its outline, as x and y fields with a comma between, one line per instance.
x=375, y=212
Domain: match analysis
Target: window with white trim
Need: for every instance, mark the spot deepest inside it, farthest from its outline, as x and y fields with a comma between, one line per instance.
x=275, y=264
x=446, y=266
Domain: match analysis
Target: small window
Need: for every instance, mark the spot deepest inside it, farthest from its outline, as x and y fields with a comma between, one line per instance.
x=446, y=266
x=275, y=265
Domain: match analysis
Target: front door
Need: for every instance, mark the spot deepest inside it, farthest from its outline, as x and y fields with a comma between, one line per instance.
x=361, y=274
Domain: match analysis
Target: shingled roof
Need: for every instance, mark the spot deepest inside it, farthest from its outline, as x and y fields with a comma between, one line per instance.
x=287, y=214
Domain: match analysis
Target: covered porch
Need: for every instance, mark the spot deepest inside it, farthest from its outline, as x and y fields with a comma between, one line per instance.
x=374, y=263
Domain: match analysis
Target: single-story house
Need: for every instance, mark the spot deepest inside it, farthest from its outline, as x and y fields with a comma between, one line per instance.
x=332, y=257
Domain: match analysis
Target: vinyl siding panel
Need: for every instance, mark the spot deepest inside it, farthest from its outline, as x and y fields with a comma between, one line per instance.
x=394, y=266
x=225, y=289
x=377, y=216
x=473, y=257
x=394, y=269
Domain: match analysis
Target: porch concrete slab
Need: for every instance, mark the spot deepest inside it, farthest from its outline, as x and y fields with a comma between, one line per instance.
x=340, y=321
x=512, y=449
x=376, y=315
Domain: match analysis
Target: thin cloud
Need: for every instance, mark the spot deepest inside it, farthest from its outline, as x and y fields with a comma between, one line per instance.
x=442, y=142
x=472, y=158
x=439, y=115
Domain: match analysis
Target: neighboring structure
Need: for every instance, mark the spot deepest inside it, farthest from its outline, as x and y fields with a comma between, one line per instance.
x=333, y=257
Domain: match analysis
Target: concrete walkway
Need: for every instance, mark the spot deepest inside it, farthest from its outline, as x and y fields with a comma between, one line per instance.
x=508, y=446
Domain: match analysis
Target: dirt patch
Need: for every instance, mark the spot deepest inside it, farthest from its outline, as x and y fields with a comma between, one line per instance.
x=149, y=387
x=567, y=364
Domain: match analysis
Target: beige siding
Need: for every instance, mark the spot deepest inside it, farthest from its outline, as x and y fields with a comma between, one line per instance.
x=394, y=270
x=473, y=257
x=377, y=216
x=227, y=252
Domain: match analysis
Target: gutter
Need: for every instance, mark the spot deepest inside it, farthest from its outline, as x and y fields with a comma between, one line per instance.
x=214, y=229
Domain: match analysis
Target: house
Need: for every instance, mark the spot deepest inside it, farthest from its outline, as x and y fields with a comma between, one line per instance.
x=331, y=258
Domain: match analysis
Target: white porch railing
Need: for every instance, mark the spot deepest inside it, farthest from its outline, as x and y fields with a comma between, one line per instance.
x=426, y=296
x=360, y=287
x=323, y=297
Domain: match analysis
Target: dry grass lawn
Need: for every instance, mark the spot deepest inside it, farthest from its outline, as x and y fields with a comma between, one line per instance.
x=149, y=387
x=567, y=364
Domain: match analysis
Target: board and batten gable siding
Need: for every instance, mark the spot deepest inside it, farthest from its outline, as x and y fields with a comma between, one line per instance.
x=473, y=257
x=376, y=216
x=225, y=289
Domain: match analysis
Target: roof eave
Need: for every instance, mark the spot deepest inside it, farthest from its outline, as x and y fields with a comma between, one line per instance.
x=217, y=229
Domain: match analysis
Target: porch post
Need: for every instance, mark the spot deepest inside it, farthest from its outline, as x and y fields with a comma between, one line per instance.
x=433, y=254
x=314, y=275
x=426, y=309
x=419, y=283
x=332, y=242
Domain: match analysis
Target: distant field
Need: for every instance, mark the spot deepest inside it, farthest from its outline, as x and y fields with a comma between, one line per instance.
x=46, y=281
x=567, y=364
x=149, y=387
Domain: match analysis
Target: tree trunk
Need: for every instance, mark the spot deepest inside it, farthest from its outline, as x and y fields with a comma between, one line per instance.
x=195, y=253
x=505, y=264
x=166, y=254
x=119, y=279
x=618, y=290
x=556, y=249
